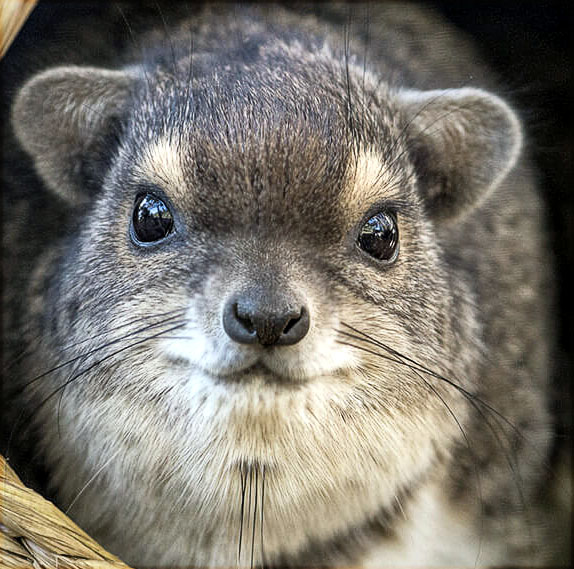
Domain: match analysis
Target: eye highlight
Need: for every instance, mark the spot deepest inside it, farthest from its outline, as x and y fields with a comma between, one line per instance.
x=152, y=220
x=379, y=237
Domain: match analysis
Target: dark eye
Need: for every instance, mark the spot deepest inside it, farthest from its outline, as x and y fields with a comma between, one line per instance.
x=379, y=237
x=152, y=220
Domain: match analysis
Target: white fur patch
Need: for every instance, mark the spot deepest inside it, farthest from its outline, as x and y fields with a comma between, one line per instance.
x=205, y=346
x=161, y=164
x=432, y=534
x=369, y=181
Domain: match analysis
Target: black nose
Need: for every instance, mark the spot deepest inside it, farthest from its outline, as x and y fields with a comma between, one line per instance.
x=251, y=318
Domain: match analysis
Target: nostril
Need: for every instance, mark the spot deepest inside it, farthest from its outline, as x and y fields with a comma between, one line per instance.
x=238, y=324
x=295, y=329
x=243, y=319
x=293, y=322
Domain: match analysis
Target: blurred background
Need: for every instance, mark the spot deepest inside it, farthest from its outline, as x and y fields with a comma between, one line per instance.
x=529, y=45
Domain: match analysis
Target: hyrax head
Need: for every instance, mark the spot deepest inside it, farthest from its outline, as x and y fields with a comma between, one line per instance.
x=261, y=240
x=260, y=186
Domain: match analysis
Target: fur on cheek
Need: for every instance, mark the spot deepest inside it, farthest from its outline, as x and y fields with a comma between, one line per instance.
x=330, y=453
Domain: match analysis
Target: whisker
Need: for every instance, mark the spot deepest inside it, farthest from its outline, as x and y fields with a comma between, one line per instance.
x=474, y=400
x=435, y=374
x=20, y=389
x=254, y=516
x=399, y=504
x=136, y=44
x=404, y=132
x=366, y=42
x=261, y=520
x=27, y=351
x=168, y=36
x=471, y=397
x=347, y=44
x=243, y=487
x=87, y=484
x=250, y=494
x=189, y=88
x=131, y=322
x=85, y=371
x=474, y=457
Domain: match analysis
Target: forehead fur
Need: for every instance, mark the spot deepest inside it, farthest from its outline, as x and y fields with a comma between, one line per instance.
x=371, y=180
x=161, y=164
x=364, y=181
x=241, y=86
x=260, y=127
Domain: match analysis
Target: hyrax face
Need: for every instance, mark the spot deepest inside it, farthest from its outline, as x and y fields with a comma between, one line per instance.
x=262, y=293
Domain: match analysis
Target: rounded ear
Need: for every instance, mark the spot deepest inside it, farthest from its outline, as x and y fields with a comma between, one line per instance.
x=59, y=116
x=465, y=141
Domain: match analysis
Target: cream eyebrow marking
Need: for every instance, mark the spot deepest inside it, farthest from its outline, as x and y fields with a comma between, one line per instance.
x=368, y=182
x=161, y=164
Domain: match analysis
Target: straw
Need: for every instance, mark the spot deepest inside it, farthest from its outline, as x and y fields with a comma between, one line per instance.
x=13, y=14
x=34, y=534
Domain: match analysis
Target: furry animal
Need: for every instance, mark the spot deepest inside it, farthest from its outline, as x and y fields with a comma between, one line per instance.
x=297, y=309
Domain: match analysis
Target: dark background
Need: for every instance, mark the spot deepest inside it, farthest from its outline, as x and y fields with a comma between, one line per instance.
x=529, y=46
x=527, y=43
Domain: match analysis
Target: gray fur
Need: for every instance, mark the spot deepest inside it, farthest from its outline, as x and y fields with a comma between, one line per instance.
x=59, y=113
x=272, y=144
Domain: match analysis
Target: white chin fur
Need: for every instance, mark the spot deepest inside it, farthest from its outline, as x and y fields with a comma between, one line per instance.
x=213, y=352
x=330, y=463
x=333, y=437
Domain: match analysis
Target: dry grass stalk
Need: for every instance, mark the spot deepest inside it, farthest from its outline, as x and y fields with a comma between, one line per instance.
x=34, y=534
x=13, y=14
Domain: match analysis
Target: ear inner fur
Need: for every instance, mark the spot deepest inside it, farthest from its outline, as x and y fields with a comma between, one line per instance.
x=60, y=113
x=465, y=142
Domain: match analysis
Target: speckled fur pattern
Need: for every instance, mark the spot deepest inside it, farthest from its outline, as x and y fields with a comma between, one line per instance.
x=411, y=426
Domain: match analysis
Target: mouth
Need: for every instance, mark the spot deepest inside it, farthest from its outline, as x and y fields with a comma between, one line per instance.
x=258, y=372
x=265, y=369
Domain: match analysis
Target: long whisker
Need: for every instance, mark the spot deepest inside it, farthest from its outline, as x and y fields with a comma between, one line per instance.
x=136, y=44
x=168, y=36
x=250, y=495
x=176, y=312
x=254, y=516
x=261, y=520
x=474, y=457
x=347, y=44
x=435, y=374
x=472, y=397
x=404, y=132
x=91, y=480
x=88, y=369
x=473, y=400
x=243, y=488
x=189, y=87
x=366, y=42
x=135, y=333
